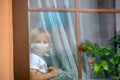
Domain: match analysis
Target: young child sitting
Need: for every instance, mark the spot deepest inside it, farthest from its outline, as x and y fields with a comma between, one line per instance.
x=40, y=44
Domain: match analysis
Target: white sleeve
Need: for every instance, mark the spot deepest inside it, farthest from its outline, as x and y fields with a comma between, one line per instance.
x=34, y=62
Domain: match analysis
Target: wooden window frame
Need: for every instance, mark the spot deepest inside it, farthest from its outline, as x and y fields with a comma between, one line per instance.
x=21, y=38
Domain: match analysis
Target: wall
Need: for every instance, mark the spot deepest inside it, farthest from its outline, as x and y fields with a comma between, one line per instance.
x=6, y=40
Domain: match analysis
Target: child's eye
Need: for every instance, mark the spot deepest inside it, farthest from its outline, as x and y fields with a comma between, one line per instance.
x=37, y=41
x=45, y=41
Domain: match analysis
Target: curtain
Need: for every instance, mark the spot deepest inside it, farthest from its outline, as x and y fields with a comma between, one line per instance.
x=61, y=26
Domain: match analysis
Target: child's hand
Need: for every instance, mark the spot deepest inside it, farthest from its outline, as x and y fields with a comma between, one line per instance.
x=53, y=71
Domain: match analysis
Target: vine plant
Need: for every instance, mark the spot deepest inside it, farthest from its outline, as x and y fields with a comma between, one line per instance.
x=108, y=56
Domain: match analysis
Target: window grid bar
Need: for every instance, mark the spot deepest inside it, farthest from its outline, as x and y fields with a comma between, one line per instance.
x=74, y=10
x=78, y=39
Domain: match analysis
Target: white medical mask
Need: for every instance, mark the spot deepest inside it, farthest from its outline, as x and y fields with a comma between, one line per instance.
x=40, y=48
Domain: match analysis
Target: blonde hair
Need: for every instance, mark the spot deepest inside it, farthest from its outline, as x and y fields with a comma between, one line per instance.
x=38, y=30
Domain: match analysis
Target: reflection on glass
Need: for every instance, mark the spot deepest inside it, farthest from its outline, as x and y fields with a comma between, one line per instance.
x=100, y=4
x=52, y=3
x=53, y=50
x=98, y=28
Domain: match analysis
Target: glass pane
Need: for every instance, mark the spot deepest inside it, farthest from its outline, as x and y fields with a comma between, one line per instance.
x=56, y=32
x=52, y=3
x=98, y=27
x=117, y=18
x=100, y=4
x=98, y=34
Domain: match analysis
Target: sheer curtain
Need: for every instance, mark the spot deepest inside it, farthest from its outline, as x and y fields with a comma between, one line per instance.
x=61, y=26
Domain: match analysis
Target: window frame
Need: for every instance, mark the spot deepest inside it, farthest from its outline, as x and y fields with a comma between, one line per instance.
x=20, y=40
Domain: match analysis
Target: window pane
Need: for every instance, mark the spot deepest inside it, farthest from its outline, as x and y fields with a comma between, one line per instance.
x=52, y=3
x=117, y=22
x=100, y=4
x=62, y=52
x=99, y=29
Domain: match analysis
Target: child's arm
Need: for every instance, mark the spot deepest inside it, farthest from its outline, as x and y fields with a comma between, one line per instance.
x=36, y=75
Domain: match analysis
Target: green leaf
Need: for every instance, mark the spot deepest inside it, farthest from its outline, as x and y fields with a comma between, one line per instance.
x=117, y=55
x=106, y=53
x=109, y=70
x=112, y=61
x=102, y=47
x=89, y=48
x=117, y=62
x=96, y=68
x=104, y=64
x=102, y=56
x=95, y=53
x=109, y=49
x=117, y=59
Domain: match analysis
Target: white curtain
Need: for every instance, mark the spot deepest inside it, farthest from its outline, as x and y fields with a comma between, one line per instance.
x=61, y=26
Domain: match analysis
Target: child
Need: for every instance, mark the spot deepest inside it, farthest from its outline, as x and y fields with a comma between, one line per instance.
x=40, y=45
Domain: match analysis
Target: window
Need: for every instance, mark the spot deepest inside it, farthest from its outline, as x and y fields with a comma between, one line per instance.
x=94, y=20
x=87, y=19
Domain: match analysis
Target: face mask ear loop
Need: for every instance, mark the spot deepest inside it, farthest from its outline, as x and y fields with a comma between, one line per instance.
x=46, y=55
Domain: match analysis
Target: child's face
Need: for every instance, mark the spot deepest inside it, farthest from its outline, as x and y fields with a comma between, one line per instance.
x=41, y=38
x=40, y=44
